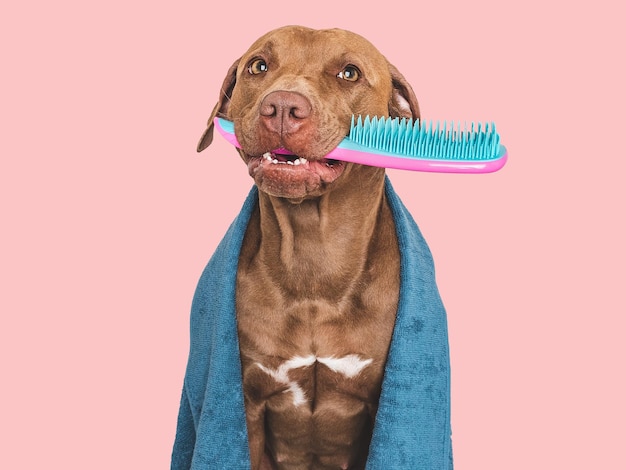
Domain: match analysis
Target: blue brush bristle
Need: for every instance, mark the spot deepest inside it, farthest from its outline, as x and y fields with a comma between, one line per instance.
x=427, y=140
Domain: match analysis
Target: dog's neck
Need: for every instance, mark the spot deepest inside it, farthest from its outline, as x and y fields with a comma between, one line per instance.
x=319, y=246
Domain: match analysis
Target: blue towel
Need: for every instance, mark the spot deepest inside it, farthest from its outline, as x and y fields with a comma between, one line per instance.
x=412, y=427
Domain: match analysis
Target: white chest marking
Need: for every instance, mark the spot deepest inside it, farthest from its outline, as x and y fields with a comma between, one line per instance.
x=349, y=366
x=281, y=375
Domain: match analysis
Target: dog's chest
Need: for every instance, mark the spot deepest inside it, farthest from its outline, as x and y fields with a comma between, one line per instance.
x=314, y=366
x=310, y=353
x=316, y=373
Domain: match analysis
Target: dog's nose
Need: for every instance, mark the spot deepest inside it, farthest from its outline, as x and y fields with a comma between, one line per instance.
x=284, y=112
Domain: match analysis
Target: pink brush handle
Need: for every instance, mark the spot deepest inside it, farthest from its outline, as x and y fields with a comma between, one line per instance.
x=418, y=164
x=231, y=138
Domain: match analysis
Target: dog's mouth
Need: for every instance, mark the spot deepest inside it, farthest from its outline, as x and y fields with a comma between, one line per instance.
x=276, y=158
x=284, y=174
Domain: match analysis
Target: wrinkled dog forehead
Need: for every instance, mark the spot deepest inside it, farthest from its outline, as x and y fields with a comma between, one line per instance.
x=307, y=50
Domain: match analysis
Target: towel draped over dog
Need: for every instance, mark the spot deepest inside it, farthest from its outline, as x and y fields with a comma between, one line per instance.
x=412, y=426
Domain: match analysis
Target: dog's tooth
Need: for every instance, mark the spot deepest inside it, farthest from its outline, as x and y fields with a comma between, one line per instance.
x=296, y=162
x=274, y=161
x=303, y=160
x=289, y=162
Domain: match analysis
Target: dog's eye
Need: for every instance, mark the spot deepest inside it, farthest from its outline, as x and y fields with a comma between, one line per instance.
x=257, y=66
x=349, y=73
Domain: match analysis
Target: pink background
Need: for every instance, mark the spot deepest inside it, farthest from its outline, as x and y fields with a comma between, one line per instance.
x=109, y=216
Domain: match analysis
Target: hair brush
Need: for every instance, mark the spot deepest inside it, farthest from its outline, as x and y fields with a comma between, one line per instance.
x=408, y=144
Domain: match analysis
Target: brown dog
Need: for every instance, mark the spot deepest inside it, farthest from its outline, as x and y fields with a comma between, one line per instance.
x=318, y=277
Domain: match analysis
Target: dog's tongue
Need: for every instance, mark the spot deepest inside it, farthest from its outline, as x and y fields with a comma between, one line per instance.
x=282, y=151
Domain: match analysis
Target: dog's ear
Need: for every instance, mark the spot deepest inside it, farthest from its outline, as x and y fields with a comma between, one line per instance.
x=221, y=107
x=403, y=101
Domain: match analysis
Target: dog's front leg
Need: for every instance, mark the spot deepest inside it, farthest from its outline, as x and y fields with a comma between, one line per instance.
x=255, y=421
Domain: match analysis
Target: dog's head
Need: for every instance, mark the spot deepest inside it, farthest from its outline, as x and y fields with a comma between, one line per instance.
x=297, y=88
